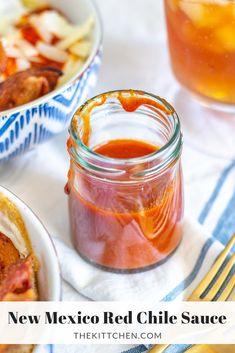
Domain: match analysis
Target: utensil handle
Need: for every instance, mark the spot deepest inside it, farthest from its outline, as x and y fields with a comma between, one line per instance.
x=158, y=348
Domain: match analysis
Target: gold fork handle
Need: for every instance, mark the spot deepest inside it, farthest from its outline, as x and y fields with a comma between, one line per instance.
x=201, y=348
x=198, y=348
x=159, y=348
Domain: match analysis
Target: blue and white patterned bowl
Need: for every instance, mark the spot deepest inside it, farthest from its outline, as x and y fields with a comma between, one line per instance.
x=27, y=126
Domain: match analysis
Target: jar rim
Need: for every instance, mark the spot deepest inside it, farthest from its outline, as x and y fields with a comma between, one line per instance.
x=175, y=138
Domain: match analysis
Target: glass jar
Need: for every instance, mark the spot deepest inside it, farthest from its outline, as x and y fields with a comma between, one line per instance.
x=125, y=210
x=202, y=48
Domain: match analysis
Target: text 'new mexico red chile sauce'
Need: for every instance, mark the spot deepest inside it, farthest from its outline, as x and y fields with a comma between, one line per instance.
x=125, y=182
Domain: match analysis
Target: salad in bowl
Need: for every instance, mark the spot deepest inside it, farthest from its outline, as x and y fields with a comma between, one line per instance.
x=49, y=58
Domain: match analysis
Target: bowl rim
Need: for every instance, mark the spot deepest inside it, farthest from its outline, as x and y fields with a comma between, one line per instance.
x=57, y=291
x=97, y=45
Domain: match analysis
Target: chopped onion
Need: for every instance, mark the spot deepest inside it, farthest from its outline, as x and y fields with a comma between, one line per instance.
x=10, y=12
x=71, y=68
x=26, y=48
x=81, y=49
x=5, y=26
x=35, y=59
x=71, y=50
x=13, y=52
x=77, y=33
x=40, y=29
x=51, y=52
x=18, y=48
x=22, y=64
x=55, y=23
x=11, y=38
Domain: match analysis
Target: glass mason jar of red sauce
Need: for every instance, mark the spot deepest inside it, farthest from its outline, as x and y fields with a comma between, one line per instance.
x=125, y=181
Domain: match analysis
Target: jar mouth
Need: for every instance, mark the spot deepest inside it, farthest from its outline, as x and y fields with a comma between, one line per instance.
x=169, y=151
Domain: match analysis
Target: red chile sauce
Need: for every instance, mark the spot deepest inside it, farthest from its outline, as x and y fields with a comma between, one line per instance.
x=124, y=227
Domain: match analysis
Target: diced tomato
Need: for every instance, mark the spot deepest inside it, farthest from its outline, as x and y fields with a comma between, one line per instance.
x=11, y=67
x=47, y=62
x=29, y=34
x=3, y=59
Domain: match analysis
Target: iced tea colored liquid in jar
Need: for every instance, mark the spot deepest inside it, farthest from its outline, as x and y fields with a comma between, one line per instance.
x=201, y=37
x=125, y=183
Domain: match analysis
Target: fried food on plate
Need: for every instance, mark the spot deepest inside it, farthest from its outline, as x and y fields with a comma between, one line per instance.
x=18, y=264
x=8, y=253
x=26, y=86
x=18, y=282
